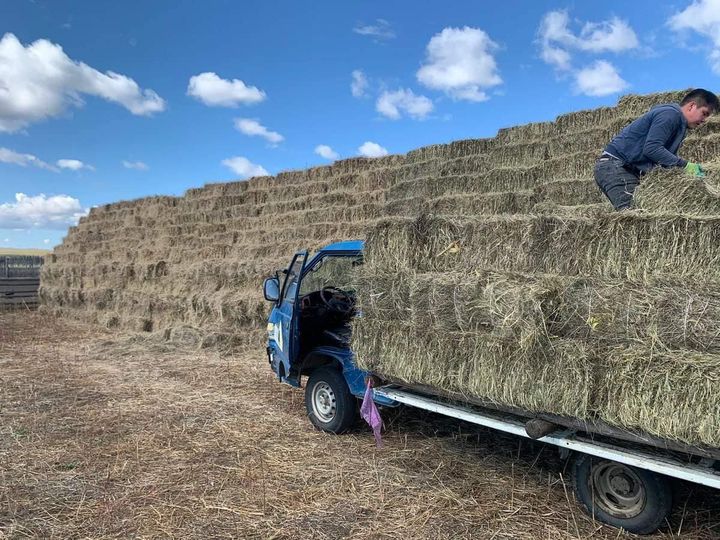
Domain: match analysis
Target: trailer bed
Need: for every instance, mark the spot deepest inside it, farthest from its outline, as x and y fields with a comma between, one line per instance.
x=699, y=471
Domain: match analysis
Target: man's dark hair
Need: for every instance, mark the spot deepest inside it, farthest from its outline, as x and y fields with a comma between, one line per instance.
x=702, y=98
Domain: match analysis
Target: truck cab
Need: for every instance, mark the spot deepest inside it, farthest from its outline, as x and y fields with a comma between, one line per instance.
x=309, y=332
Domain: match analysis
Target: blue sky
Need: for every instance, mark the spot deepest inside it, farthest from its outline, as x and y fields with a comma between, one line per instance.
x=103, y=101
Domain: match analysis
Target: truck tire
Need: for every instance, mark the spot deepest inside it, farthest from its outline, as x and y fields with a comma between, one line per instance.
x=330, y=405
x=636, y=500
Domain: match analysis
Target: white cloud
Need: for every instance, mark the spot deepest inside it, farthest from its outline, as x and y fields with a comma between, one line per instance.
x=554, y=30
x=324, y=151
x=15, y=158
x=556, y=39
x=460, y=62
x=41, y=211
x=600, y=79
x=391, y=104
x=372, y=150
x=557, y=57
x=46, y=241
x=74, y=165
x=137, y=165
x=244, y=168
x=614, y=35
x=255, y=128
x=216, y=92
x=39, y=81
x=359, y=83
x=380, y=30
x=703, y=17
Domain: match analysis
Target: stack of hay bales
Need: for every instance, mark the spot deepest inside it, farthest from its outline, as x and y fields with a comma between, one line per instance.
x=158, y=263
x=557, y=305
x=168, y=263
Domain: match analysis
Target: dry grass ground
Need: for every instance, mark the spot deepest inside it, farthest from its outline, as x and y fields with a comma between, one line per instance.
x=107, y=437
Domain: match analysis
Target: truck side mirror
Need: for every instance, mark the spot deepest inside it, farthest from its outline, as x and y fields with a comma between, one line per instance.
x=271, y=289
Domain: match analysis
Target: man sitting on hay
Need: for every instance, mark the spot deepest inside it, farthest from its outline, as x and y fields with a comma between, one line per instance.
x=651, y=140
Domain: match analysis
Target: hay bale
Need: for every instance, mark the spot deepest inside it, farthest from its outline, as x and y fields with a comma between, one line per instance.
x=662, y=314
x=575, y=210
x=670, y=394
x=557, y=379
x=570, y=192
x=622, y=245
x=470, y=204
x=535, y=308
x=527, y=132
x=540, y=343
x=673, y=191
x=702, y=149
x=510, y=306
x=639, y=104
x=468, y=147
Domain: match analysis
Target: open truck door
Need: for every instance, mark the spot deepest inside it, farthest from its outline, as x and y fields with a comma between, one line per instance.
x=284, y=344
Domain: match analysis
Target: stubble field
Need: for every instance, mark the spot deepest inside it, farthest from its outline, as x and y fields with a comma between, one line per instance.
x=107, y=436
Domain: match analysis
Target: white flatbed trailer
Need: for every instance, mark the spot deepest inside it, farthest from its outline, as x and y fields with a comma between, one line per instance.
x=621, y=483
x=700, y=473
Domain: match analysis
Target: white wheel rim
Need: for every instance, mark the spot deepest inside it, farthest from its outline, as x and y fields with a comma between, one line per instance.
x=617, y=489
x=324, y=403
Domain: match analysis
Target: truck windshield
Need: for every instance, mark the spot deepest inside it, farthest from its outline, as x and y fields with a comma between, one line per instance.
x=331, y=271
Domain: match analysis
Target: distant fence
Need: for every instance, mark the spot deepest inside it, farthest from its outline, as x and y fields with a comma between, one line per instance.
x=19, y=281
x=20, y=266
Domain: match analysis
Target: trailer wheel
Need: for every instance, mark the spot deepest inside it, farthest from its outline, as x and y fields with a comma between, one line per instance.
x=330, y=405
x=634, y=499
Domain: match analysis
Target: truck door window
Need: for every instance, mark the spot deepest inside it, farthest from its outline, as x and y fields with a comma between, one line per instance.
x=293, y=274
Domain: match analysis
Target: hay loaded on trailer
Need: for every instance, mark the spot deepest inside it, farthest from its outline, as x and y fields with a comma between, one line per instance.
x=533, y=355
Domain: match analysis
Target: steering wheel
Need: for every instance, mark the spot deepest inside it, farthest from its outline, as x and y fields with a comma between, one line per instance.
x=336, y=300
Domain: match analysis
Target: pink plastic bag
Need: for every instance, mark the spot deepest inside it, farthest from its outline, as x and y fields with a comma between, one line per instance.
x=370, y=413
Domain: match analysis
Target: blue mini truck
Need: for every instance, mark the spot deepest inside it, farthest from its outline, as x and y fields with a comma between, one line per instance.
x=309, y=333
x=621, y=477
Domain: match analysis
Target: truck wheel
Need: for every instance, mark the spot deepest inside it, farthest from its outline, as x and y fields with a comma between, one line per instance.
x=634, y=499
x=330, y=405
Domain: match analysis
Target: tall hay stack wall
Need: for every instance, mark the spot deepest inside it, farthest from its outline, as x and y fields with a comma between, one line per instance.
x=514, y=225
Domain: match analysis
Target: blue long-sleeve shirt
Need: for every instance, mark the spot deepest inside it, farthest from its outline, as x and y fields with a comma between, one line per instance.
x=653, y=139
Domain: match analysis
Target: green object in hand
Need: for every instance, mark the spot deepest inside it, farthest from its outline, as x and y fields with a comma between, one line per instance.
x=694, y=169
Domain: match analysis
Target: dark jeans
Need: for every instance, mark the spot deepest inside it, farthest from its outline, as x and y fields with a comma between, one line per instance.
x=615, y=182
